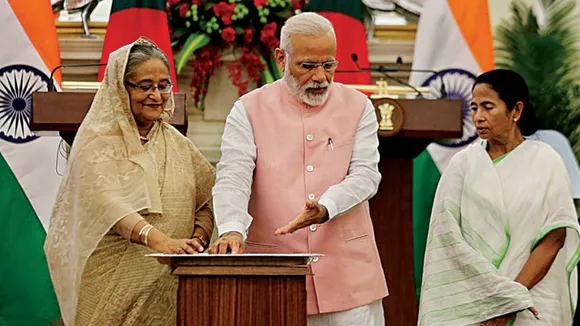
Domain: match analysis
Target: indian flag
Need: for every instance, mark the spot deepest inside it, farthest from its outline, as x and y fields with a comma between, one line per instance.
x=454, y=38
x=28, y=171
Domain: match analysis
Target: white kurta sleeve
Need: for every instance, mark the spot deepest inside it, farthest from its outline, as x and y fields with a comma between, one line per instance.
x=231, y=193
x=362, y=180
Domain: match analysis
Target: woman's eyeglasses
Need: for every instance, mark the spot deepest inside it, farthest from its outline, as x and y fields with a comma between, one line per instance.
x=163, y=87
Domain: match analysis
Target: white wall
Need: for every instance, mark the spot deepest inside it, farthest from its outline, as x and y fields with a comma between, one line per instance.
x=500, y=9
x=100, y=14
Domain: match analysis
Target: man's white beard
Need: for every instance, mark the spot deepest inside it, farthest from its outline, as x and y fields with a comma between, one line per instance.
x=302, y=93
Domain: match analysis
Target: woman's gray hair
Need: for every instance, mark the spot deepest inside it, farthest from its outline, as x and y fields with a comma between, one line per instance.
x=141, y=53
x=306, y=23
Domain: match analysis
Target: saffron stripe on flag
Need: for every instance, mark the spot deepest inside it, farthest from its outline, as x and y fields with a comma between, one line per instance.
x=38, y=24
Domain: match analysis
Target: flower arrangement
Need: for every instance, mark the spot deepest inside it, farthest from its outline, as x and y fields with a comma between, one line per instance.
x=202, y=29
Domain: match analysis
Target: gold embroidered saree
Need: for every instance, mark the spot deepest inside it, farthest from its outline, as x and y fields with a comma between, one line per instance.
x=99, y=277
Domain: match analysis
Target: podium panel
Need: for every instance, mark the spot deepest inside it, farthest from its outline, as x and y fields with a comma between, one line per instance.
x=236, y=290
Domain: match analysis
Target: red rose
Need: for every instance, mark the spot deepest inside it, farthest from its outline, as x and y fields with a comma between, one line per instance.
x=268, y=35
x=196, y=2
x=260, y=3
x=225, y=11
x=173, y=2
x=248, y=35
x=297, y=4
x=227, y=20
x=183, y=9
x=252, y=63
x=229, y=35
x=270, y=28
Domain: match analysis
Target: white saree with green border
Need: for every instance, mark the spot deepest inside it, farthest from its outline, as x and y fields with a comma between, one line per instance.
x=486, y=220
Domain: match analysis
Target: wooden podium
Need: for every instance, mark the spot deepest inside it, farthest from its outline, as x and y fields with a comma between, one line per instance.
x=406, y=127
x=240, y=290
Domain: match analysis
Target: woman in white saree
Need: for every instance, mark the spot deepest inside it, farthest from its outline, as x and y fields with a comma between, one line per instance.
x=503, y=236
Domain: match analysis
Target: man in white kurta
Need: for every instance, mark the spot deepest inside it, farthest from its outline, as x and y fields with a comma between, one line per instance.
x=299, y=163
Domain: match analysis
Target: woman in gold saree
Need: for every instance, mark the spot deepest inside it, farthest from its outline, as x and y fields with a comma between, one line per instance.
x=134, y=185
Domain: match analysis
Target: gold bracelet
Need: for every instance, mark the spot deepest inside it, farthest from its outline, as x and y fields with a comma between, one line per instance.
x=147, y=236
x=143, y=233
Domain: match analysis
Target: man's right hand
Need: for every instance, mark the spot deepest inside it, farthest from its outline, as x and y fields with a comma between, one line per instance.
x=229, y=242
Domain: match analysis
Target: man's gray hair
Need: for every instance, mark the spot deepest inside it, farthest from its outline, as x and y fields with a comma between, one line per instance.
x=141, y=53
x=306, y=23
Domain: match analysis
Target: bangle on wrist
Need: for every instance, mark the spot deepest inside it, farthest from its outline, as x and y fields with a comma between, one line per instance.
x=143, y=233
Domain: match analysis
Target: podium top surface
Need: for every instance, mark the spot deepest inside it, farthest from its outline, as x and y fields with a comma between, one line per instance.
x=251, y=259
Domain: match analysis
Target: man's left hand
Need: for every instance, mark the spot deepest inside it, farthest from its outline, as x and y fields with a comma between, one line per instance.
x=313, y=213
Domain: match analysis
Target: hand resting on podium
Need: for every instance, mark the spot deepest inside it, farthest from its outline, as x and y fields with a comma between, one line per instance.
x=233, y=242
x=229, y=242
x=131, y=228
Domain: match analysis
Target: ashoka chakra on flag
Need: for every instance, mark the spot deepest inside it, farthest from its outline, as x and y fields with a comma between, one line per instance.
x=458, y=85
x=17, y=83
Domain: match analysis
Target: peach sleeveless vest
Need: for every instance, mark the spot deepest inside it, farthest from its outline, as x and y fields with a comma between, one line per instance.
x=295, y=163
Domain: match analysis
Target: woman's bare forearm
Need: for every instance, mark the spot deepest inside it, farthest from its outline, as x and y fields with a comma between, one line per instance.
x=130, y=226
x=126, y=226
x=204, y=223
x=542, y=258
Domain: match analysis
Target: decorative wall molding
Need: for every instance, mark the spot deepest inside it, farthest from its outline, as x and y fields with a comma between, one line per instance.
x=402, y=32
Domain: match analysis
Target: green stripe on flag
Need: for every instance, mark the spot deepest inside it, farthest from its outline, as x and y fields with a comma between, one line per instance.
x=26, y=294
x=128, y=4
x=353, y=8
x=426, y=176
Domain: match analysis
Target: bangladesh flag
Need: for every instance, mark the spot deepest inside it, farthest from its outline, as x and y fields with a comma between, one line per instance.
x=131, y=19
x=347, y=18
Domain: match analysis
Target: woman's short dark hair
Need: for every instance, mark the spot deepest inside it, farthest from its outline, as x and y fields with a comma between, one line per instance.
x=512, y=88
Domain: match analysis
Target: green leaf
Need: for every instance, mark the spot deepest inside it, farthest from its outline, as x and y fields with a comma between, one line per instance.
x=194, y=42
x=548, y=59
x=276, y=72
x=267, y=77
x=178, y=33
